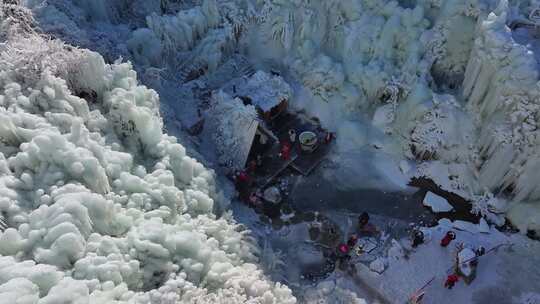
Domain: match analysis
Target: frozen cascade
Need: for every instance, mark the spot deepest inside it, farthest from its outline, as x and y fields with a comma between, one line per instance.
x=502, y=92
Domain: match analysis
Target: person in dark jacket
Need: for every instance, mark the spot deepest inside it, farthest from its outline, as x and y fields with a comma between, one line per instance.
x=243, y=183
x=363, y=220
x=480, y=251
x=365, y=228
x=351, y=242
x=418, y=238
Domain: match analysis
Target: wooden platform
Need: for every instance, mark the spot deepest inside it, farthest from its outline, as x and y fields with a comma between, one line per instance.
x=302, y=162
x=272, y=166
x=306, y=163
x=281, y=167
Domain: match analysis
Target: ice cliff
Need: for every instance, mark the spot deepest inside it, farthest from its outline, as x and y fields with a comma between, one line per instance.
x=101, y=206
x=502, y=92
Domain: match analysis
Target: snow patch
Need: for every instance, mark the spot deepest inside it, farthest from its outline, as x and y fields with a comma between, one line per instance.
x=437, y=203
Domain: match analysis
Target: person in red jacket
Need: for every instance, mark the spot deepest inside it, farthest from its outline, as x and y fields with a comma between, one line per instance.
x=285, y=152
x=343, y=255
x=451, y=280
x=450, y=235
x=243, y=183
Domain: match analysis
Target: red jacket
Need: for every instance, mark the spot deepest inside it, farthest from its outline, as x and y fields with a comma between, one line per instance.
x=343, y=248
x=451, y=279
x=243, y=178
x=285, y=150
x=447, y=239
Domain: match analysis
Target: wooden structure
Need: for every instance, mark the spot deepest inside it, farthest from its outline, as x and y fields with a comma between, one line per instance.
x=273, y=112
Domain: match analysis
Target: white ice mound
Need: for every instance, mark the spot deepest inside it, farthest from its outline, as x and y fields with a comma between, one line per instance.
x=465, y=256
x=100, y=205
x=437, y=203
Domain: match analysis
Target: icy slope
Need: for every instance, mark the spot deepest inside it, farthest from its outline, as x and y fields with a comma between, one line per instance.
x=102, y=207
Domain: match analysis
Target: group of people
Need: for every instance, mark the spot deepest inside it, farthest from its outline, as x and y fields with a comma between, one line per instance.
x=244, y=180
x=364, y=228
x=244, y=183
x=465, y=263
x=452, y=278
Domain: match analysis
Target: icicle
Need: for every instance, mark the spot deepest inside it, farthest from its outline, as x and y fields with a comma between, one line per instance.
x=471, y=74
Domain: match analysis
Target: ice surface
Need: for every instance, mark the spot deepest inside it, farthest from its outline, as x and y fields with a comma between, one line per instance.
x=437, y=203
x=502, y=274
x=378, y=266
x=328, y=292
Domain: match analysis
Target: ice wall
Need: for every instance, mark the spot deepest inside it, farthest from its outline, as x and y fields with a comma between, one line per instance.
x=101, y=205
x=374, y=60
x=345, y=52
x=380, y=59
x=502, y=91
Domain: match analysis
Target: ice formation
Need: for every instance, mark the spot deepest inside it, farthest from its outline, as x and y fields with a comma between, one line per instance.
x=90, y=182
x=101, y=206
x=502, y=89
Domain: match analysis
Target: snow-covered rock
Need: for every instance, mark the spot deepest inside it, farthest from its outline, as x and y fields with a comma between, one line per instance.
x=235, y=126
x=483, y=226
x=404, y=167
x=265, y=90
x=379, y=265
x=466, y=226
x=465, y=256
x=469, y=227
x=437, y=203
